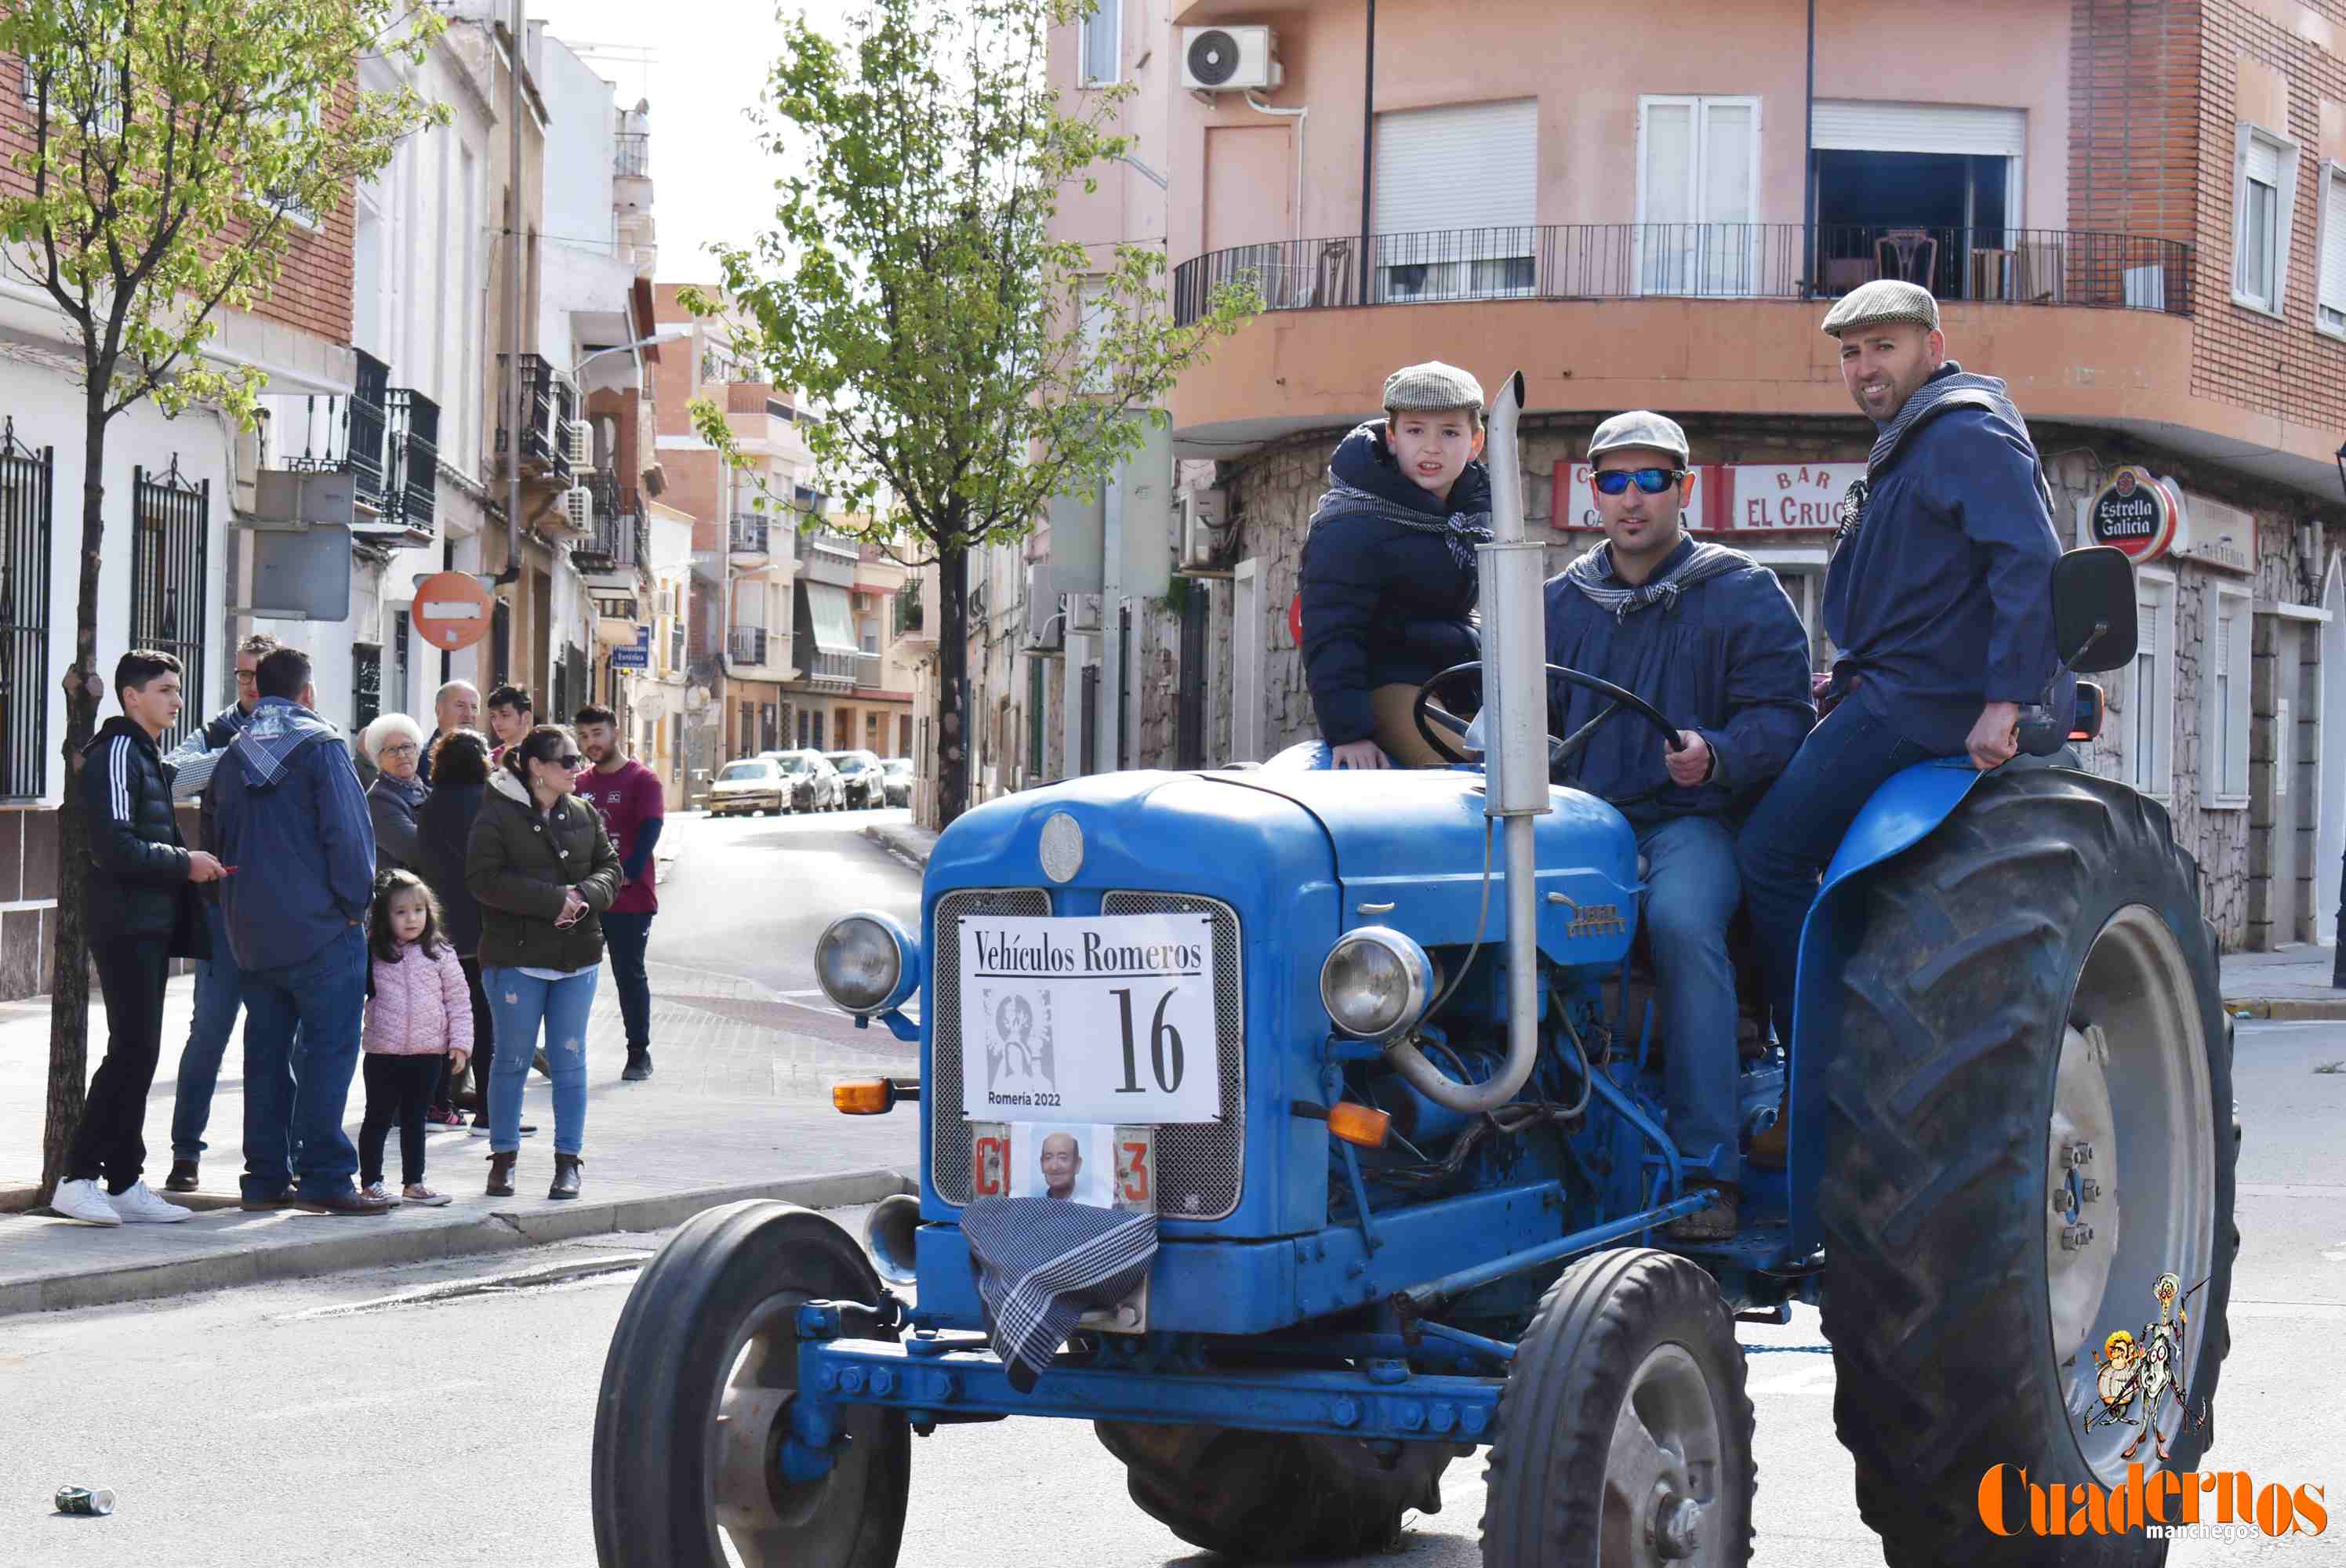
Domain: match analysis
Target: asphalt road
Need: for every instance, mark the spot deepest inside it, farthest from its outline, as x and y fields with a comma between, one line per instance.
x=273, y=1425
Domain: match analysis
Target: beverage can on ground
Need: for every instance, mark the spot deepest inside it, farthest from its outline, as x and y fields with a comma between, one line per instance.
x=85, y=1500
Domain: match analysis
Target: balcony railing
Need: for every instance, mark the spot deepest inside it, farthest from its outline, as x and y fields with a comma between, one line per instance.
x=548, y=404
x=833, y=668
x=410, y=489
x=618, y=541
x=350, y=439
x=749, y=535
x=747, y=644
x=908, y=608
x=1702, y=260
x=867, y=669
x=825, y=557
x=633, y=157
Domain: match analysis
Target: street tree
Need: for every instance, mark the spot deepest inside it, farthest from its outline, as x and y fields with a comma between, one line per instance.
x=176, y=148
x=971, y=364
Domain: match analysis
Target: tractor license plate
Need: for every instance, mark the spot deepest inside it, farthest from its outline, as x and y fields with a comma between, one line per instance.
x=1107, y=1018
x=1109, y=1167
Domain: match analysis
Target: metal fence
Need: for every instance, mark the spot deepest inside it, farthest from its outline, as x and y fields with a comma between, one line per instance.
x=27, y=483
x=633, y=157
x=747, y=644
x=748, y=535
x=1698, y=260
x=410, y=488
x=170, y=539
x=351, y=438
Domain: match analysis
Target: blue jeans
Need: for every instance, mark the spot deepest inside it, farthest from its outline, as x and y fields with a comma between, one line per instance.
x=625, y=935
x=1788, y=840
x=520, y=1002
x=1691, y=892
x=294, y=1095
x=220, y=996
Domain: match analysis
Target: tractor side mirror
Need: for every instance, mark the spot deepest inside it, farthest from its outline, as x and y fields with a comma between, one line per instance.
x=2094, y=608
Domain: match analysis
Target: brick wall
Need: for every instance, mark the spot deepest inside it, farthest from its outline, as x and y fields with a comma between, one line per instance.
x=313, y=293
x=2134, y=147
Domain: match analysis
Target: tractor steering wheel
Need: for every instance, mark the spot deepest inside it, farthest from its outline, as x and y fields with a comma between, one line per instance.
x=1559, y=753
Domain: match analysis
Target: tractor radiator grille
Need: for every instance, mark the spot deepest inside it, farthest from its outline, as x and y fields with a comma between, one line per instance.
x=1200, y=1166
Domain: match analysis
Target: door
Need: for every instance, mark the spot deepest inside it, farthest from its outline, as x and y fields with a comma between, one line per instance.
x=2291, y=853
x=1697, y=196
x=2329, y=680
x=1251, y=211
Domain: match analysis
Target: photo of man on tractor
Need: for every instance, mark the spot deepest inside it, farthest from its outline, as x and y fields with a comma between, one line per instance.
x=1460, y=1137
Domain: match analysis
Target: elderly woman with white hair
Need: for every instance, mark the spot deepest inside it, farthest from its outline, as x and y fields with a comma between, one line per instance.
x=395, y=744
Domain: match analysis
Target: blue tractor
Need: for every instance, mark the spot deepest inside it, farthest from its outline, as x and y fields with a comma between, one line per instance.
x=1397, y=1122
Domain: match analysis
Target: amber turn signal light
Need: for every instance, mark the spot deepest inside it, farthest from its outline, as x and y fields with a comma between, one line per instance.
x=1361, y=1125
x=864, y=1098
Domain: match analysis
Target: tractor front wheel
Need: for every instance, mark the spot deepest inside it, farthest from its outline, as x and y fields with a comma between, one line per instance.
x=695, y=1406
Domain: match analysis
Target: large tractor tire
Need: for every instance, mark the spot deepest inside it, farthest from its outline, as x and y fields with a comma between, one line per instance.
x=1624, y=1434
x=1272, y=1496
x=696, y=1404
x=2028, y=1122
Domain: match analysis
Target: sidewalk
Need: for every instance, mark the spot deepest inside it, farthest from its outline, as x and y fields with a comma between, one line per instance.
x=907, y=842
x=739, y=1107
x=2294, y=982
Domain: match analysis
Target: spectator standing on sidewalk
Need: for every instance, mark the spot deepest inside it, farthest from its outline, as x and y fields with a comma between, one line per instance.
x=455, y=706
x=419, y=1030
x=444, y=824
x=142, y=913
x=511, y=714
x=395, y=744
x=218, y=988
x=634, y=809
x=544, y=871
x=292, y=809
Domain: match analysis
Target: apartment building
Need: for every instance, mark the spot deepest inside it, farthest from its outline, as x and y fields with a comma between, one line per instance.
x=2135, y=212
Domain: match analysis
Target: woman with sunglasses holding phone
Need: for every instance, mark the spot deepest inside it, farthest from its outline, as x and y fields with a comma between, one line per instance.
x=543, y=871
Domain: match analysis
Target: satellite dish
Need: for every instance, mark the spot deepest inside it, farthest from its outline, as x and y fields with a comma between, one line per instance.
x=1213, y=57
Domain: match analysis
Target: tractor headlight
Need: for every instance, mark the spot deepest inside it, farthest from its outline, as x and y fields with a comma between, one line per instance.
x=1375, y=983
x=866, y=963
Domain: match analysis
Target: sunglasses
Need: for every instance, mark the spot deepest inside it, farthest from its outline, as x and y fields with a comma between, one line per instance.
x=1652, y=481
x=568, y=759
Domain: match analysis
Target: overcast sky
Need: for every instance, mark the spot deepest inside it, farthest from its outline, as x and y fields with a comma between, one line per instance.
x=702, y=64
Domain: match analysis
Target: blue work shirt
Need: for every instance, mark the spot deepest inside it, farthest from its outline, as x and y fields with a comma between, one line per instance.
x=1941, y=601
x=1729, y=660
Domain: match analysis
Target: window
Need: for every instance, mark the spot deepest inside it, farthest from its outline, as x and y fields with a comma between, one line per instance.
x=2264, y=197
x=366, y=684
x=2330, y=299
x=2147, y=723
x=1441, y=236
x=1103, y=53
x=1697, y=196
x=170, y=547
x=2224, y=701
x=1096, y=320
x=25, y=494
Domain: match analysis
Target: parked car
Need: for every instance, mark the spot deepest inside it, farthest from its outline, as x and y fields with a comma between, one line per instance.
x=814, y=783
x=861, y=771
x=746, y=786
x=896, y=775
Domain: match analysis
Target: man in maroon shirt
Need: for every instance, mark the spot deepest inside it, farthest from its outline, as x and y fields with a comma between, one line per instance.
x=634, y=806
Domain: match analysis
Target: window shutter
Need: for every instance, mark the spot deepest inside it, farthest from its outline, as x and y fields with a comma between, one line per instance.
x=1858, y=127
x=1726, y=193
x=2333, y=239
x=2146, y=618
x=1469, y=172
x=2264, y=162
x=1669, y=163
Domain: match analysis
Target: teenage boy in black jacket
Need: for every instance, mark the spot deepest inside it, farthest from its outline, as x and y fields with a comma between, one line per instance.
x=142, y=912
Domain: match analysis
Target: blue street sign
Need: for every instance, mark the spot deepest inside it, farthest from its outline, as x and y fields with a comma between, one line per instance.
x=637, y=657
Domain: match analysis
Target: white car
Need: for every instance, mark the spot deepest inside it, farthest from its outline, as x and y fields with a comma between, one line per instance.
x=748, y=786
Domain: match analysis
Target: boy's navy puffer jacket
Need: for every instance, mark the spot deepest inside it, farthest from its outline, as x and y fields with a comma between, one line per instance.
x=1383, y=603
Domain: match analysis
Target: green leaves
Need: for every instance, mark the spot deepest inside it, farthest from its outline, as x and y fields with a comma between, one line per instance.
x=975, y=364
x=179, y=145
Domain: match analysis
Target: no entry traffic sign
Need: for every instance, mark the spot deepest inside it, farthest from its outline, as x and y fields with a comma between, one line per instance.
x=452, y=610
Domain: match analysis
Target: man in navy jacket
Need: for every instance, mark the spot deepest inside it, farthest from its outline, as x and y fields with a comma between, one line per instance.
x=295, y=823
x=1939, y=599
x=1705, y=634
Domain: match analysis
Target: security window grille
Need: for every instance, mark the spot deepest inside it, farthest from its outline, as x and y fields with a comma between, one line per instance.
x=26, y=478
x=171, y=533
x=366, y=684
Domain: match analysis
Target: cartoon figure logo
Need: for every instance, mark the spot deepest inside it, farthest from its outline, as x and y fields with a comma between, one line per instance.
x=1019, y=1059
x=2138, y=1374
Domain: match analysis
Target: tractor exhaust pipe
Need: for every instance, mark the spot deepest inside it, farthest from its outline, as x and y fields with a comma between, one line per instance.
x=1515, y=690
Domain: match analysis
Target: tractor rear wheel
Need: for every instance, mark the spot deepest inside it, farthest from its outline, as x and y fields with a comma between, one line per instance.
x=2029, y=1081
x=696, y=1405
x=1270, y=1496
x=1624, y=1435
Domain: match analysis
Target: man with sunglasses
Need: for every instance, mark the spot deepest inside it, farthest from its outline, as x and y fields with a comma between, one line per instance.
x=1705, y=634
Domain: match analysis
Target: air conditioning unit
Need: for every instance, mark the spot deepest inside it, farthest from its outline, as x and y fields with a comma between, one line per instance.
x=578, y=508
x=579, y=443
x=1202, y=519
x=1229, y=60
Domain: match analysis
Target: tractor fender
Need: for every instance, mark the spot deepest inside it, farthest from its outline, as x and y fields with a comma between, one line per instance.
x=1906, y=809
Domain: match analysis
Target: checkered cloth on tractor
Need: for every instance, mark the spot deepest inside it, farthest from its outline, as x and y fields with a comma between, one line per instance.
x=1042, y=1263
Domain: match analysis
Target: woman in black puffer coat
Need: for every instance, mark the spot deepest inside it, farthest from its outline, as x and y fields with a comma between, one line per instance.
x=444, y=827
x=1389, y=578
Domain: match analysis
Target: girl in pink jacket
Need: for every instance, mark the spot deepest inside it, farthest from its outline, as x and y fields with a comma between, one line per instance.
x=419, y=1019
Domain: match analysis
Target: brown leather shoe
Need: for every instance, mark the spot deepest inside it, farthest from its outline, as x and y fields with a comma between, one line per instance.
x=565, y=1176
x=350, y=1205
x=501, y=1168
x=1768, y=1147
x=1716, y=1223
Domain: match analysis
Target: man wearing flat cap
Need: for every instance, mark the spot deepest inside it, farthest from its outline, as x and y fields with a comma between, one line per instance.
x=1939, y=599
x=1705, y=634
x=1389, y=576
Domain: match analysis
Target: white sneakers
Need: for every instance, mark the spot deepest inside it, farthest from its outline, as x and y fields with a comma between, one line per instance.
x=85, y=1201
x=88, y=1203
x=143, y=1206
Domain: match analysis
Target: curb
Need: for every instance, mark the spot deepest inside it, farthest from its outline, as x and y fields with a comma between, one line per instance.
x=2288, y=1008
x=498, y=1231
x=915, y=857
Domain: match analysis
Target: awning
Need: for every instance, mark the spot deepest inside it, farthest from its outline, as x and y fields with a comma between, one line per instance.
x=835, y=627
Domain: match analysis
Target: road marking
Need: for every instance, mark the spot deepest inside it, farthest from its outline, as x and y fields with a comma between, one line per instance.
x=2288, y=1189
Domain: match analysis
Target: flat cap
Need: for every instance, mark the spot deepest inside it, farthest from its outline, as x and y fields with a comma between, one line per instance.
x=1639, y=427
x=1884, y=299
x=1432, y=386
